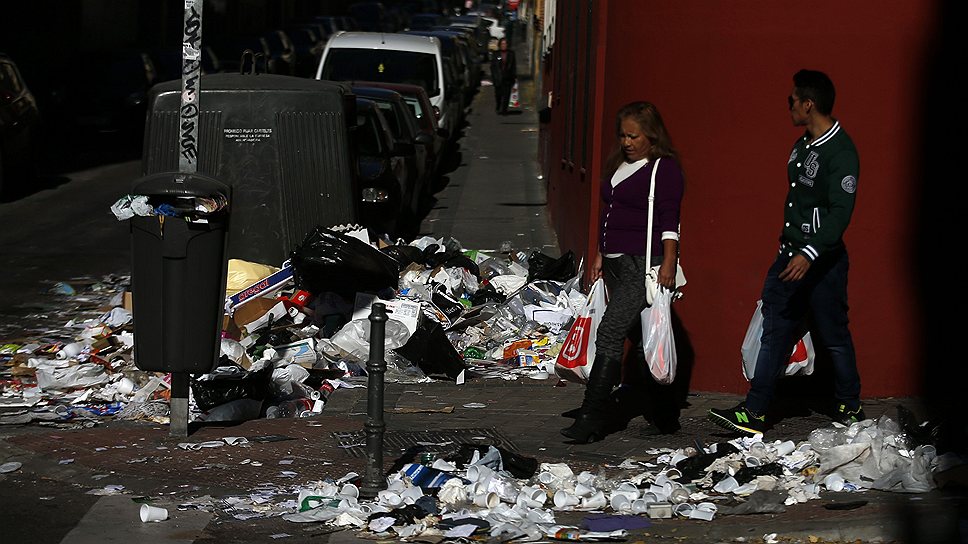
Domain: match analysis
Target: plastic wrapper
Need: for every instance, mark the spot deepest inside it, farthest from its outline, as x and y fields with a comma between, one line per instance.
x=354, y=337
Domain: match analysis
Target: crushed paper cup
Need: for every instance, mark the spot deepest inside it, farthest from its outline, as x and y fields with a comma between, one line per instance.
x=389, y=498
x=640, y=506
x=683, y=509
x=411, y=494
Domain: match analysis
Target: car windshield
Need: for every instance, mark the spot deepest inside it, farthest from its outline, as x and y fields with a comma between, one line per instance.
x=391, y=116
x=387, y=66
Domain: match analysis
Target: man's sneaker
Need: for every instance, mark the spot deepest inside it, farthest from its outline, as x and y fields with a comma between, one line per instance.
x=738, y=419
x=848, y=417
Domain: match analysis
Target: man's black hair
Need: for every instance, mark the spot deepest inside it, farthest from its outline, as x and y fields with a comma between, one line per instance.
x=815, y=86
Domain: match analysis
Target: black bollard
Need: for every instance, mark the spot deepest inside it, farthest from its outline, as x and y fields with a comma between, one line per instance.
x=178, y=413
x=376, y=367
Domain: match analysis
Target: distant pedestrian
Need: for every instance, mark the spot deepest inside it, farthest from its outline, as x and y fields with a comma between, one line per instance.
x=504, y=71
x=807, y=283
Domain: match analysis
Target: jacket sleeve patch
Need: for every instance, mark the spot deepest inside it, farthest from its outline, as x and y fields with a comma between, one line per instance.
x=849, y=184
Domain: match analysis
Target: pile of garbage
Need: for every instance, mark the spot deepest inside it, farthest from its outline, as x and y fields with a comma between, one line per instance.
x=483, y=490
x=294, y=334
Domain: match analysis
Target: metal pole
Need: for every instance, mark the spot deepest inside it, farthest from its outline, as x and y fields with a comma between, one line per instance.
x=376, y=367
x=178, y=416
x=187, y=164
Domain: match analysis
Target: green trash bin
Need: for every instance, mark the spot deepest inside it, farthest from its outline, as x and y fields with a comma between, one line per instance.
x=178, y=272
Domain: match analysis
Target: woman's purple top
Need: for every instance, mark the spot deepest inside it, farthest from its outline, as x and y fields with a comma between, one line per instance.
x=625, y=214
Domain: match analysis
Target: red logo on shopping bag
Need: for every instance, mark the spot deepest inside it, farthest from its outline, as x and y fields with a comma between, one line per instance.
x=573, y=351
x=799, y=355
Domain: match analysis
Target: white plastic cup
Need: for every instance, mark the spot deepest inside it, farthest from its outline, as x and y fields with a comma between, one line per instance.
x=389, y=498
x=411, y=494
x=620, y=503
x=583, y=490
x=834, y=482
x=479, y=473
x=153, y=513
x=350, y=491
x=758, y=449
x=785, y=448
x=726, y=485
x=125, y=386
x=628, y=489
x=586, y=477
x=752, y=461
x=547, y=478
x=673, y=474
x=649, y=497
x=679, y=495
x=640, y=506
x=487, y=500
x=594, y=501
x=564, y=499
x=70, y=350
x=683, y=509
x=532, y=497
x=705, y=511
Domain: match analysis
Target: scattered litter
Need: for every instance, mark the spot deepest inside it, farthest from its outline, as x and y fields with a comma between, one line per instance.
x=10, y=467
x=475, y=405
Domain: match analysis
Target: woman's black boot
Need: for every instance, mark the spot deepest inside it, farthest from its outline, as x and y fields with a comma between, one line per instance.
x=592, y=423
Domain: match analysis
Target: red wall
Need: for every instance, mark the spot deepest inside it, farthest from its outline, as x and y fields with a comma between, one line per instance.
x=720, y=74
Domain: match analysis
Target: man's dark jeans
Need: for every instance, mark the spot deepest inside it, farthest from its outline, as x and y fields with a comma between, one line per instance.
x=821, y=296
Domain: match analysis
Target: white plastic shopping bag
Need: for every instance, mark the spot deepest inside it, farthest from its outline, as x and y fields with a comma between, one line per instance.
x=577, y=354
x=801, y=359
x=658, y=342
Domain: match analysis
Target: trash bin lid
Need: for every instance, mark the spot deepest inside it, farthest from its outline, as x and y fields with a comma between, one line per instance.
x=181, y=184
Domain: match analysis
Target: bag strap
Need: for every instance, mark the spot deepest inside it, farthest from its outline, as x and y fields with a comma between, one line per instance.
x=648, y=242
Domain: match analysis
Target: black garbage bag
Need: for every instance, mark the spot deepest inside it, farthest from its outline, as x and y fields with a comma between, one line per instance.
x=429, y=349
x=227, y=387
x=405, y=255
x=543, y=267
x=485, y=294
x=329, y=261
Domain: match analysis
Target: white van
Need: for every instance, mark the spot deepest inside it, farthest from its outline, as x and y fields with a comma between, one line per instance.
x=390, y=58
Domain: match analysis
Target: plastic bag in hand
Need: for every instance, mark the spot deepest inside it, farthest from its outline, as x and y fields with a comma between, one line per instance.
x=658, y=341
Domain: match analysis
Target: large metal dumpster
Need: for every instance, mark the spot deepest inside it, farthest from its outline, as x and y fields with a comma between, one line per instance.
x=283, y=145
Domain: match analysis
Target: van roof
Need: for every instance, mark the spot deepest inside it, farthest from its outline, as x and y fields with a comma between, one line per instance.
x=381, y=40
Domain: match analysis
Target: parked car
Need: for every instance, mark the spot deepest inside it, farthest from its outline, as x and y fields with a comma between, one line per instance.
x=394, y=58
x=403, y=125
x=425, y=21
x=416, y=97
x=451, y=50
x=19, y=126
x=382, y=173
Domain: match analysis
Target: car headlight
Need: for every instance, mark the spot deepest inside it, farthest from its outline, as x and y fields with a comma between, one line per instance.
x=373, y=194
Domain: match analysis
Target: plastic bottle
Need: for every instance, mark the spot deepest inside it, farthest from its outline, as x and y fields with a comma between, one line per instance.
x=290, y=408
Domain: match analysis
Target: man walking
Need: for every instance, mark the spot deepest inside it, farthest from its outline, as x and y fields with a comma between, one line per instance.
x=504, y=70
x=807, y=284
